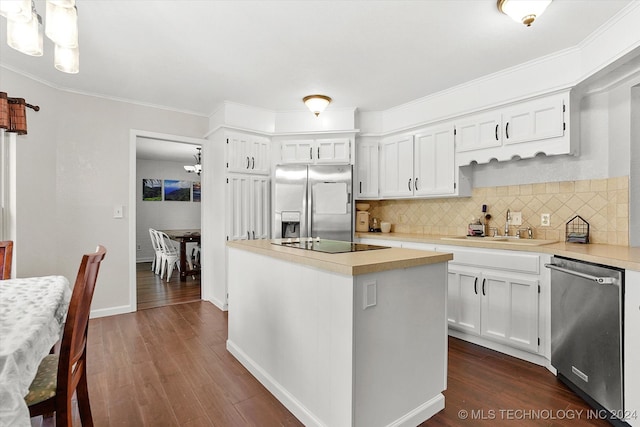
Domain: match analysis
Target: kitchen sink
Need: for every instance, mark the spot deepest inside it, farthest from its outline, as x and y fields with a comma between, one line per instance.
x=501, y=239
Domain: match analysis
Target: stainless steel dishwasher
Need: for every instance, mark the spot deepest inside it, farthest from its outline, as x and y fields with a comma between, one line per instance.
x=586, y=329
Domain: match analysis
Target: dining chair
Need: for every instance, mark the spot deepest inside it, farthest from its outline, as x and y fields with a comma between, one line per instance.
x=6, y=254
x=157, y=248
x=59, y=376
x=170, y=255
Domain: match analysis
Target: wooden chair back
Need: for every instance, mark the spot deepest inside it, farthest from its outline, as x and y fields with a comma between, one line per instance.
x=6, y=254
x=71, y=373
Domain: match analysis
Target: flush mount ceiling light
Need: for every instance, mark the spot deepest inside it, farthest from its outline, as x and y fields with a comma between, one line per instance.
x=197, y=168
x=25, y=31
x=523, y=11
x=316, y=103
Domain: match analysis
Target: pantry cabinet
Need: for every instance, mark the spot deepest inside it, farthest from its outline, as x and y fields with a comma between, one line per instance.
x=248, y=154
x=420, y=164
x=248, y=207
x=316, y=151
x=523, y=129
x=367, y=166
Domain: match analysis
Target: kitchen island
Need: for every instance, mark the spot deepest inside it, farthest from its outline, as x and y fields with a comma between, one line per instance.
x=347, y=339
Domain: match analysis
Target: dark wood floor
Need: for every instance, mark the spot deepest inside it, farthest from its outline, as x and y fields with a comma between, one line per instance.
x=154, y=292
x=168, y=366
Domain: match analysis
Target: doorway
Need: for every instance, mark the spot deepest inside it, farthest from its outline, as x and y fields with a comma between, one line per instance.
x=158, y=161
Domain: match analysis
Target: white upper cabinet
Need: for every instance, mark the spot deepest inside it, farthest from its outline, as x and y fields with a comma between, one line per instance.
x=524, y=129
x=419, y=165
x=396, y=166
x=534, y=120
x=434, y=162
x=316, y=151
x=248, y=154
x=367, y=167
x=479, y=131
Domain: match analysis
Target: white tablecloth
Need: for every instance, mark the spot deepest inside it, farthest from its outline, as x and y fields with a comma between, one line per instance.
x=32, y=314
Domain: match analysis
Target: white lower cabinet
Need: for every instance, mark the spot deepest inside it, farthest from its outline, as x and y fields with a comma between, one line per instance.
x=495, y=294
x=632, y=347
x=248, y=207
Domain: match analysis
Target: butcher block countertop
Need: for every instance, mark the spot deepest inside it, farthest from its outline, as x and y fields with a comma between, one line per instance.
x=616, y=256
x=349, y=263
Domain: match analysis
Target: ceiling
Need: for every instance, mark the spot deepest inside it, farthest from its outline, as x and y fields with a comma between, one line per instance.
x=372, y=55
x=193, y=55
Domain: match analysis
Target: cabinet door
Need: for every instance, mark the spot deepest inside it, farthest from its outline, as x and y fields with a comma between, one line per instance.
x=238, y=207
x=478, y=131
x=463, y=302
x=248, y=154
x=260, y=156
x=238, y=153
x=396, y=166
x=510, y=310
x=434, y=164
x=332, y=151
x=299, y=151
x=260, y=208
x=367, y=170
x=534, y=120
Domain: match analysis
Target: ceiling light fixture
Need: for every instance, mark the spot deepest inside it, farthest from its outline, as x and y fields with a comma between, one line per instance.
x=197, y=168
x=25, y=31
x=523, y=11
x=316, y=103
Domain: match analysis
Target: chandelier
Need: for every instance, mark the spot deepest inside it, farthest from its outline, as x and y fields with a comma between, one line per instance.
x=25, y=30
x=197, y=168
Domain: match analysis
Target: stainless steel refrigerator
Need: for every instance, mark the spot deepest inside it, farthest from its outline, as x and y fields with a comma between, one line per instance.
x=313, y=201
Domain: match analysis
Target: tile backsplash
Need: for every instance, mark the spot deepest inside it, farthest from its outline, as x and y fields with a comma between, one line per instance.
x=603, y=203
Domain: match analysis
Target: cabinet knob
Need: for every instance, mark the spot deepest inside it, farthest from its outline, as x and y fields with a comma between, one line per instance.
x=497, y=126
x=415, y=184
x=475, y=286
x=506, y=130
x=247, y=163
x=409, y=184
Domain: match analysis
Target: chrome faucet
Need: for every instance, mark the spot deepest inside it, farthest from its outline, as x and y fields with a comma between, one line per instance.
x=506, y=224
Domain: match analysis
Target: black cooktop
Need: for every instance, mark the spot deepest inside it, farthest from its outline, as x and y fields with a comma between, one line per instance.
x=327, y=246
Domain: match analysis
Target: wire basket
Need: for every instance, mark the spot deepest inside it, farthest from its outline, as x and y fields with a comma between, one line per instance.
x=577, y=230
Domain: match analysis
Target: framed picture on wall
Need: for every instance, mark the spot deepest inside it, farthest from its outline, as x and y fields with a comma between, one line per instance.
x=177, y=190
x=151, y=189
x=196, y=191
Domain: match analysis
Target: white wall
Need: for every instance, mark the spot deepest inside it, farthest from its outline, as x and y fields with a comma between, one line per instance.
x=72, y=168
x=162, y=215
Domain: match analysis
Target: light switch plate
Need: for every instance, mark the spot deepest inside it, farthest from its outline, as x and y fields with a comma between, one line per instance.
x=516, y=218
x=545, y=220
x=118, y=211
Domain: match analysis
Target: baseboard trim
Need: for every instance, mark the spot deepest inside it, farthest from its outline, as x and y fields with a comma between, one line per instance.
x=111, y=311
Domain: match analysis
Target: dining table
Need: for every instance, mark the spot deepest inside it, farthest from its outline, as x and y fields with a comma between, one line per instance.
x=32, y=315
x=184, y=236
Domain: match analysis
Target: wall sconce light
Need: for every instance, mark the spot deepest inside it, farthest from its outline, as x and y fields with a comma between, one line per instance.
x=316, y=103
x=523, y=11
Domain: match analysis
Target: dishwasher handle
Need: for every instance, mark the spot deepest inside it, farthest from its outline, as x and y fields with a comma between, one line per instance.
x=598, y=280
